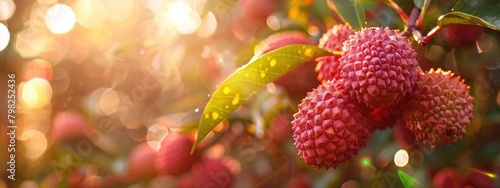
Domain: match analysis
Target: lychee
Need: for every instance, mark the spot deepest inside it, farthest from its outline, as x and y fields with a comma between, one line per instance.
x=378, y=66
x=69, y=125
x=462, y=35
x=440, y=108
x=141, y=163
x=448, y=178
x=174, y=156
x=329, y=127
x=328, y=66
x=214, y=173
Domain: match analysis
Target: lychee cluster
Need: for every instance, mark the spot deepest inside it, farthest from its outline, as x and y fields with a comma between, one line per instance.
x=377, y=83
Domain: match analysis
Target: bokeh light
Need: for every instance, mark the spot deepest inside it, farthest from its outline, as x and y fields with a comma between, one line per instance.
x=4, y=36
x=60, y=19
x=35, y=93
x=34, y=142
x=7, y=9
x=182, y=16
x=401, y=158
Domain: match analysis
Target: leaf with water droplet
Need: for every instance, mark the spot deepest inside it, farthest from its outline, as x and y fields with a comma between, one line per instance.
x=476, y=12
x=253, y=76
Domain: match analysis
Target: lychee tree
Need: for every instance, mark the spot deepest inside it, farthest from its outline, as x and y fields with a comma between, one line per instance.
x=375, y=66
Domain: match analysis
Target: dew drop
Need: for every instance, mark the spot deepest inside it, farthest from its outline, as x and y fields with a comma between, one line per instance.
x=262, y=74
x=215, y=115
x=308, y=52
x=196, y=110
x=272, y=63
x=207, y=116
x=236, y=99
x=226, y=90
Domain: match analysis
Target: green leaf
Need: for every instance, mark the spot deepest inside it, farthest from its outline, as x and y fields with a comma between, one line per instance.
x=473, y=12
x=407, y=180
x=351, y=11
x=249, y=79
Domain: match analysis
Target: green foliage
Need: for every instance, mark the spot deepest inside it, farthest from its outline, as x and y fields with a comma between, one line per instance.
x=407, y=180
x=351, y=11
x=480, y=12
x=249, y=79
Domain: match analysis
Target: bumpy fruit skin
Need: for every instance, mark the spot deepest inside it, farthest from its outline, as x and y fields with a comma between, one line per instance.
x=328, y=66
x=378, y=66
x=303, y=76
x=440, y=108
x=174, y=156
x=329, y=127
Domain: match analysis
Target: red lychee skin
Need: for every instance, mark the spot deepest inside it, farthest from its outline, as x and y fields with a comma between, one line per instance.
x=303, y=76
x=328, y=66
x=329, y=127
x=440, y=108
x=214, y=173
x=141, y=163
x=174, y=157
x=334, y=38
x=448, y=178
x=378, y=66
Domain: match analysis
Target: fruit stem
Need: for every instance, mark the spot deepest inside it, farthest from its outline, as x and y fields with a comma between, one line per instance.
x=411, y=27
x=422, y=13
x=399, y=10
x=423, y=41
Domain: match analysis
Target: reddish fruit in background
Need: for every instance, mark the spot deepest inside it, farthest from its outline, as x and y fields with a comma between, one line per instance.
x=255, y=12
x=174, y=156
x=440, y=108
x=462, y=35
x=477, y=178
x=378, y=66
x=213, y=173
x=330, y=126
x=69, y=125
x=303, y=76
x=141, y=163
x=328, y=67
x=448, y=178
x=280, y=128
x=278, y=40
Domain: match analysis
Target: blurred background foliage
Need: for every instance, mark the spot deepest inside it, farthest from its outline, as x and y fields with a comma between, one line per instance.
x=97, y=79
